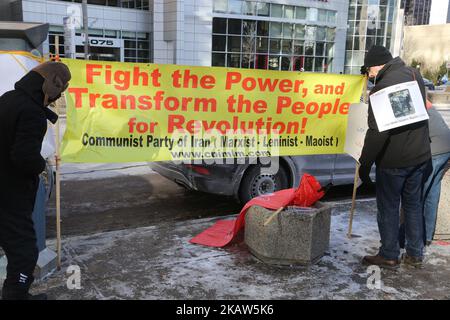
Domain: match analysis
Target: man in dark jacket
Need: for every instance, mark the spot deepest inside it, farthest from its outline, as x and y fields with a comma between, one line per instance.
x=440, y=151
x=23, y=123
x=402, y=156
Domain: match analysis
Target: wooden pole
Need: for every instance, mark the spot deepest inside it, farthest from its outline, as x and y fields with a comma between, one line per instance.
x=58, y=193
x=355, y=181
x=273, y=216
x=352, y=210
x=58, y=177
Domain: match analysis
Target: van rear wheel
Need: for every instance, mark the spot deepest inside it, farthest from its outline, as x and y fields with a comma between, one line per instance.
x=255, y=183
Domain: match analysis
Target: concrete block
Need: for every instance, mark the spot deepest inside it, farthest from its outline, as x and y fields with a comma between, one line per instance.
x=296, y=236
x=443, y=216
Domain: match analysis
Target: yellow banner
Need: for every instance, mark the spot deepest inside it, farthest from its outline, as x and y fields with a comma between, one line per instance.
x=127, y=112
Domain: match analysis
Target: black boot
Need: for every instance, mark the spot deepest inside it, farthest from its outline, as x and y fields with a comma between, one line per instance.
x=16, y=289
x=9, y=293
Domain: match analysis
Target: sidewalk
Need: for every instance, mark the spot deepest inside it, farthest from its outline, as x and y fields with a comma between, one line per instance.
x=159, y=263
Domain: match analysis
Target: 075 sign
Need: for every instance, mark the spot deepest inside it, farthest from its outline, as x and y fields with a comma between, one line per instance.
x=95, y=42
x=99, y=42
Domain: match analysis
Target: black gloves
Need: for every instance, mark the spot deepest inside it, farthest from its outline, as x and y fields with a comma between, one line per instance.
x=367, y=187
x=364, y=174
x=364, y=70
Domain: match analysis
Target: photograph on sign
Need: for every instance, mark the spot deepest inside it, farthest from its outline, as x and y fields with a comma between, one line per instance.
x=398, y=105
x=401, y=103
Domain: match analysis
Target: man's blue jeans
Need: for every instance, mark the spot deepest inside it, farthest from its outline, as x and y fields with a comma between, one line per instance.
x=433, y=192
x=395, y=186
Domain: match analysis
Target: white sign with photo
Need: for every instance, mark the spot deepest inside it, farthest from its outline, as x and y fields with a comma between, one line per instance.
x=356, y=129
x=398, y=105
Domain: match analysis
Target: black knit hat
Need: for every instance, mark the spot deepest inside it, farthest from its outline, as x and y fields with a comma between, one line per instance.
x=377, y=56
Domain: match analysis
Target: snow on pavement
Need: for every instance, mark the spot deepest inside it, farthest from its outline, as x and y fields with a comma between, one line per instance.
x=88, y=171
x=158, y=262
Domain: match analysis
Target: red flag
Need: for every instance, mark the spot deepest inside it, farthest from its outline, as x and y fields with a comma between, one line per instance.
x=308, y=192
x=223, y=231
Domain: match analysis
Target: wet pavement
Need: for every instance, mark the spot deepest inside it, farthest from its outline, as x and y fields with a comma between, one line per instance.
x=158, y=262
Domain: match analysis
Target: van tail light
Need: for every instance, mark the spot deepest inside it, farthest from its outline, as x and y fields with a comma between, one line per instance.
x=199, y=169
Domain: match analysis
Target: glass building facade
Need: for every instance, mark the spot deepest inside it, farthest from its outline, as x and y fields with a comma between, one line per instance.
x=129, y=4
x=297, y=38
x=370, y=22
x=136, y=45
x=417, y=12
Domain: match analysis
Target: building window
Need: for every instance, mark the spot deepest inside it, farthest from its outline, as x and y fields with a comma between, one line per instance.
x=263, y=28
x=289, y=12
x=218, y=59
x=271, y=45
x=275, y=29
x=275, y=10
x=299, y=31
x=220, y=25
x=300, y=13
x=331, y=16
x=130, y=4
x=263, y=9
x=235, y=6
x=219, y=42
x=234, y=26
x=313, y=14
x=220, y=6
x=249, y=8
x=322, y=15
x=249, y=28
x=370, y=23
x=136, y=45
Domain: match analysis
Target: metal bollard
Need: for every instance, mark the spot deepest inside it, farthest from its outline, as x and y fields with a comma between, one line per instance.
x=39, y=215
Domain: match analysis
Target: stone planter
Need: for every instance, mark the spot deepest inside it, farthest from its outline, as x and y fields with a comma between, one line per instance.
x=295, y=236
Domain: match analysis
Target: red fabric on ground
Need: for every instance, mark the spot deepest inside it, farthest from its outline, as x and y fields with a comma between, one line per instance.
x=308, y=192
x=223, y=231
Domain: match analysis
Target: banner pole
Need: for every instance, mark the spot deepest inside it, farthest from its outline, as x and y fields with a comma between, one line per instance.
x=355, y=181
x=273, y=216
x=352, y=210
x=58, y=176
x=58, y=193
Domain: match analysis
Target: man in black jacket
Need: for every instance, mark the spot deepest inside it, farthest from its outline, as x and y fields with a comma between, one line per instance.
x=402, y=156
x=23, y=123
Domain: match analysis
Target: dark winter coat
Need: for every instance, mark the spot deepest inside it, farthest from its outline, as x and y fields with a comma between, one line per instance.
x=23, y=124
x=401, y=147
x=439, y=133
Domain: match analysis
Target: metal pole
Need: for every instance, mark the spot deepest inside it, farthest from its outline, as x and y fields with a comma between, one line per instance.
x=85, y=27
